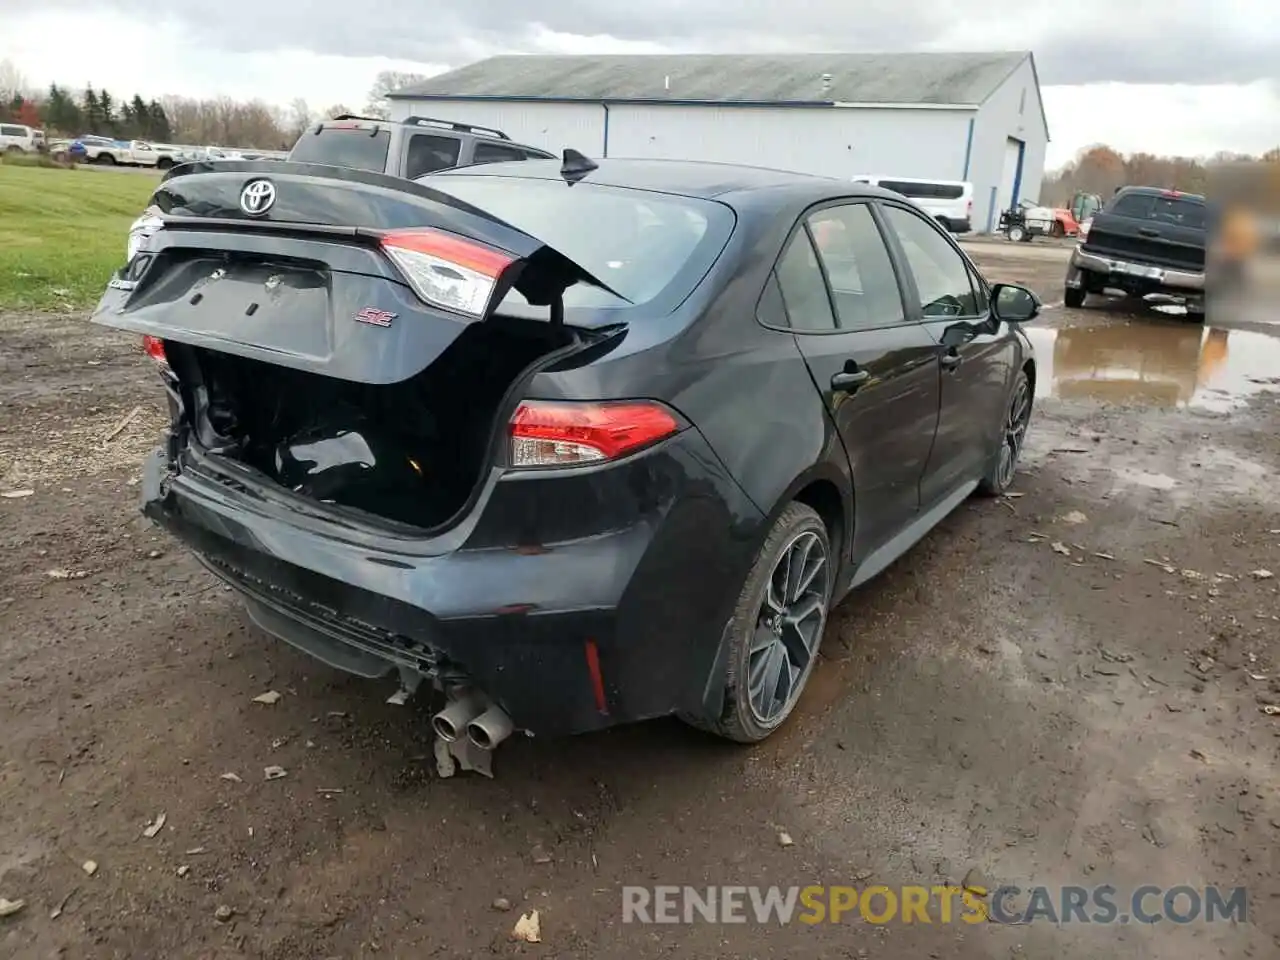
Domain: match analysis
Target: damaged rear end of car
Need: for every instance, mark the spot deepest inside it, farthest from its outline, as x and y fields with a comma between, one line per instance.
x=354, y=447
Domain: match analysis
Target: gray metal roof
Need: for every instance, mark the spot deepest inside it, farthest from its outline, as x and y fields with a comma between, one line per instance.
x=915, y=78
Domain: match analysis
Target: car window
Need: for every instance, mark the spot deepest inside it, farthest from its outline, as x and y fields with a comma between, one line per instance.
x=429, y=152
x=863, y=284
x=941, y=274
x=486, y=152
x=12, y=132
x=770, y=310
x=1179, y=211
x=804, y=290
x=640, y=243
x=356, y=148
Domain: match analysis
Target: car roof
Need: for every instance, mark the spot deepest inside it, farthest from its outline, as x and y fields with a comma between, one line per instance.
x=689, y=178
x=1160, y=192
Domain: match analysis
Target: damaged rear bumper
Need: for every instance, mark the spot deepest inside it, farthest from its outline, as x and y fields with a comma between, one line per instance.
x=569, y=631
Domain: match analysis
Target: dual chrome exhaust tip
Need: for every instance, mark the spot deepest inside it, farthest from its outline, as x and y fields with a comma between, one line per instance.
x=471, y=715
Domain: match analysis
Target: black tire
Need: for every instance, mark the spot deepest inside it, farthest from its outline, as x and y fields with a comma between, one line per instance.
x=13, y=149
x=1003, y=466
x=753, y=639
x=106, y=159
x=1073, y=297
x=164, y=163
x=944, y=223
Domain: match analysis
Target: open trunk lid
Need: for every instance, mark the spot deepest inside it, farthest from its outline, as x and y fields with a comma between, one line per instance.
x=345, y=273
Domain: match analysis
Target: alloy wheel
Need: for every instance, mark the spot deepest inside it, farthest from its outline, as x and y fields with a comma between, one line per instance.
x=789, y=628
x=1015, y=431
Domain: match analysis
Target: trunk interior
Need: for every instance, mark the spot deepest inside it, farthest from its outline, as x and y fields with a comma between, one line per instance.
x=409, y=452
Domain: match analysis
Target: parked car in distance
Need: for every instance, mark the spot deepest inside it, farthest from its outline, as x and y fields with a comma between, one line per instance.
x=950, y=202
x=18, y=138
x=593, y=442
x=406, y=148
x=1144, y=241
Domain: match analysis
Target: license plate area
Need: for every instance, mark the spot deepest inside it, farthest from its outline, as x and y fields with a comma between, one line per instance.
x=274, y=306
x=1137, y=270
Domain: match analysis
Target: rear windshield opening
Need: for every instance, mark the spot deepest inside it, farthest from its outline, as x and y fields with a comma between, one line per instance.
x=1178, y=211
x=352, y=147
x=649, y=247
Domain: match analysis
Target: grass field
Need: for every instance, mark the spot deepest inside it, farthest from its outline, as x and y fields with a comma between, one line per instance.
x=62, y=233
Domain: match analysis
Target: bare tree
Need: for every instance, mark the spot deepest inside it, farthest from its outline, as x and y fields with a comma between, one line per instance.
x=300, y=117
x=13, y=82
x=388, y=81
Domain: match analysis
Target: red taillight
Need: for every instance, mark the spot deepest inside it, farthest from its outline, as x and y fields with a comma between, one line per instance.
x=553, y=434
x=446, y=270
x=153, y=347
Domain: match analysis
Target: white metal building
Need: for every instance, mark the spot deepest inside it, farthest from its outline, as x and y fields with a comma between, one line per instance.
x=953, y=116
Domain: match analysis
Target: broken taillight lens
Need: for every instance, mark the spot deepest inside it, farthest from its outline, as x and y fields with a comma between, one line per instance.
x=153, y=347
x=447, y=271
x=563, y=434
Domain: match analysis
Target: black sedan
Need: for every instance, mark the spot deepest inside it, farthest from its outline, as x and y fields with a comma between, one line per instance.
x=576, y=443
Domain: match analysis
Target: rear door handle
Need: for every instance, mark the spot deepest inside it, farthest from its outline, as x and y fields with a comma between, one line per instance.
x=1148, y=232
x=848, y=380
x=949, y=361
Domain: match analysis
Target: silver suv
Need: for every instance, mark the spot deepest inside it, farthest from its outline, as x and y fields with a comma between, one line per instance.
x=406, y=148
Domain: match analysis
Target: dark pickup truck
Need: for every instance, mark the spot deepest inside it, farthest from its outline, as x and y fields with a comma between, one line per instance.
x=407, y=148
x=1144, y=241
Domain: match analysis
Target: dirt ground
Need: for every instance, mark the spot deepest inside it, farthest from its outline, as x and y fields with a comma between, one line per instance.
x=1063, y=687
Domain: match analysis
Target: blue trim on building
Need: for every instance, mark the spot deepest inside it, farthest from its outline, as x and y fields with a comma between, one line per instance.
x=991, y=211
x=1017, y=176
x=605, y=151
x=968, y=150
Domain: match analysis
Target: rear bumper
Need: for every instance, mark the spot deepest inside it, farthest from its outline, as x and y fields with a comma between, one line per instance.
x=1129, y=275
x=650, y=587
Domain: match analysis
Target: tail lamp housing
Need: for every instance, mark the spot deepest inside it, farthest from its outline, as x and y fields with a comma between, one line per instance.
x=446, y=270
x=546, y=433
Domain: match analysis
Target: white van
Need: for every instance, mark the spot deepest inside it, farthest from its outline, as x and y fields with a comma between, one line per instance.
x=19, y=139
x=950, y=202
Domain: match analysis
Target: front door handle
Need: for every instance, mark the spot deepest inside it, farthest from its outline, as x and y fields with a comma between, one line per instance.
x=949, y=361
x=848, y=380
x=1148, y=232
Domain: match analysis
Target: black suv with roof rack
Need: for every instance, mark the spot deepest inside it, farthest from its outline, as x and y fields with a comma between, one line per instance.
x=406, y=148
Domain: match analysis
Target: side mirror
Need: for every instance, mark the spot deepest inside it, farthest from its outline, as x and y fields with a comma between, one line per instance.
x=1014, y=304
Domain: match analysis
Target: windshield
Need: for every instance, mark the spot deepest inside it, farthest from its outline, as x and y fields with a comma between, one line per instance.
x=646, y=246
x=353, y=147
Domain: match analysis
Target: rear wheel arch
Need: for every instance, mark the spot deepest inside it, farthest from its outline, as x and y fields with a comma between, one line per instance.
x=825, y=498
x=828, y=490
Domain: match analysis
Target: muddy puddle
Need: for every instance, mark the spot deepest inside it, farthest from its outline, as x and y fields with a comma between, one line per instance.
x=1156, y=362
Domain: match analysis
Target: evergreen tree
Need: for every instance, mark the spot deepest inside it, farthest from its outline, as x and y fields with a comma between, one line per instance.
x=142, y=125
x=92, y=111
x=160, y=129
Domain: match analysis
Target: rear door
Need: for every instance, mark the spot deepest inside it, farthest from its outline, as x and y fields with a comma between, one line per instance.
x=973, y=353
x=875, y=366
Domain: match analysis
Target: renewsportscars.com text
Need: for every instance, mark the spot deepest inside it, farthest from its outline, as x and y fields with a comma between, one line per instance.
x=1103, y=904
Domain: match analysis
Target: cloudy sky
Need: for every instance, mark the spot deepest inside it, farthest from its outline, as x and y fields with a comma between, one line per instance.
x=1166, y=76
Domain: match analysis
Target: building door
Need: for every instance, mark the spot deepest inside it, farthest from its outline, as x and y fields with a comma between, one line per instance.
x=1010, y=176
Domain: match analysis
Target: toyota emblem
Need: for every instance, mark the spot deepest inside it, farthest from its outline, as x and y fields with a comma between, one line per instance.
x=257, y=197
